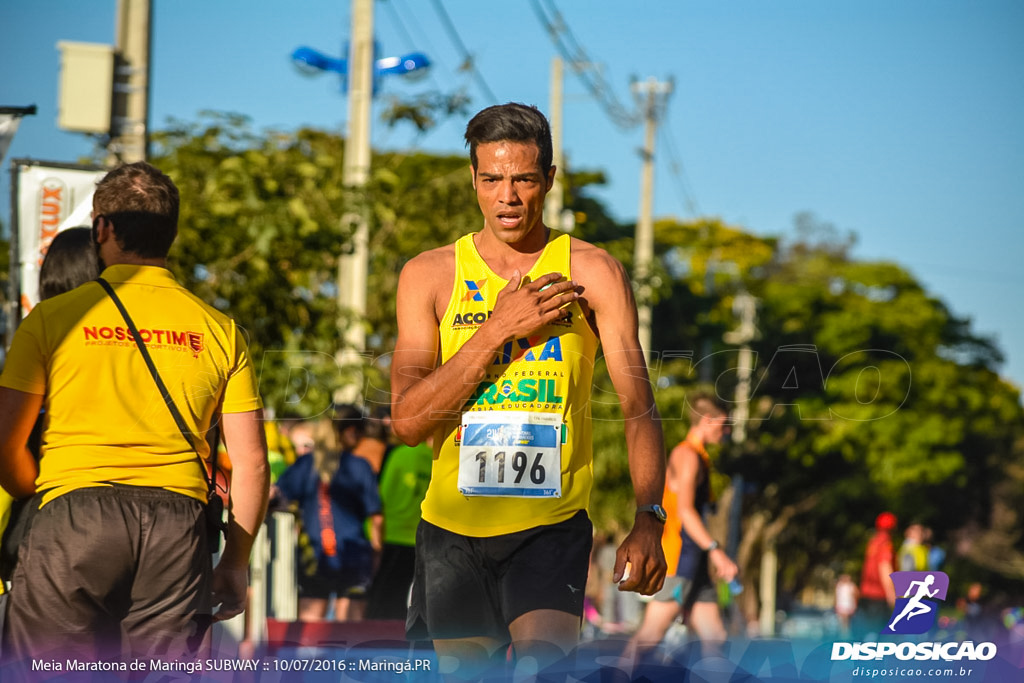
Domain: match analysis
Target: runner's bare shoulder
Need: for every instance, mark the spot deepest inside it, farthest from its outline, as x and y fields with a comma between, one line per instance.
x=591, y=262
x=598, y=272
x=431, y=265
x=430, y=275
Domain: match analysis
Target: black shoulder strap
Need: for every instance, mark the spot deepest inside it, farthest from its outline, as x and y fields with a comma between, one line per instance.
x=211, y=480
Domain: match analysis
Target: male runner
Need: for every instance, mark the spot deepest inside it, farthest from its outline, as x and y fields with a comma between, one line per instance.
x=496, y=345
x=691, y=592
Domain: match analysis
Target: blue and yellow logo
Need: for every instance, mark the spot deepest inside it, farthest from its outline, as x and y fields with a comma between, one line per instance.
x=474, y=290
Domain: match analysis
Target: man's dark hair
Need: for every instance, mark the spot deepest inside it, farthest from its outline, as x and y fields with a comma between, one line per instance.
x=378, y=423
x=513, y=122
x=347, y=415
x=141, y=202
x=70, y=261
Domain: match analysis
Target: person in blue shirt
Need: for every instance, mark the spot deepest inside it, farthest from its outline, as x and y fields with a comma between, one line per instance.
x=336, y=493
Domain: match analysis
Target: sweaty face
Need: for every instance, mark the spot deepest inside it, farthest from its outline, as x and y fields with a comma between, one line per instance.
x=510, y=188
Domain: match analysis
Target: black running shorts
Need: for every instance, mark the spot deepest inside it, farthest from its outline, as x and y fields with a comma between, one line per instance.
x=699, y=588
x=467, y=586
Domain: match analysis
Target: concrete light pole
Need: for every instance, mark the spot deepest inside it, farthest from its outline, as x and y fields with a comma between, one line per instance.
x=652, y=96
x=129, y=125
x=353, y=268
x=359, y=72
x=745, y=307
x=555, y=198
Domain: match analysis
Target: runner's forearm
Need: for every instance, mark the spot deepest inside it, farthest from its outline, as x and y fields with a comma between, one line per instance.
x=646, y=451
x=694, y=527
x=442, y=393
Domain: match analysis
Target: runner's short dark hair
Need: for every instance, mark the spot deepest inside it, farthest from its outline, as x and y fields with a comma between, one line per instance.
x=512, y=122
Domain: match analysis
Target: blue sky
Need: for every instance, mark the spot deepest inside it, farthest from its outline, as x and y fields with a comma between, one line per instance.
x=898, y=121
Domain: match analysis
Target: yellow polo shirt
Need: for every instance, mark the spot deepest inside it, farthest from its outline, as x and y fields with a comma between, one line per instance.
x=105, y=419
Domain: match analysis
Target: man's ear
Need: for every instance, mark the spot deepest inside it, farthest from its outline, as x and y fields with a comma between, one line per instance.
x=472, y=173
x=551, y=177
x=102, y=229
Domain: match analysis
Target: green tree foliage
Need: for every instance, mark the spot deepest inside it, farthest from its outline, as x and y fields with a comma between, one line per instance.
x=420, y=202
x=424, y=111
x=260, y=237
x=867, y=394
x=264, y=219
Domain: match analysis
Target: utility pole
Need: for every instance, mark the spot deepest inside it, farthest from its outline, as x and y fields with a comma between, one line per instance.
x=745, y=307
x=555, y=198
x=129, y=129
x=651, y=95
x=353, y=268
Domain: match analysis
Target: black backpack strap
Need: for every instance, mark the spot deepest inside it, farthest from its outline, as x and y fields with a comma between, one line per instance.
x=211, y=480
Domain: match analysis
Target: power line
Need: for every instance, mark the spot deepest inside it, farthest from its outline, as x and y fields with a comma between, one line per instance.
x=467, y=59
x=396, y=18
x=679, y=173
x=584, y=67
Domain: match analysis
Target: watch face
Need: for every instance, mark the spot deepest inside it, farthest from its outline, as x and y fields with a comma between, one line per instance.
x=659, y=512
x=655, y=510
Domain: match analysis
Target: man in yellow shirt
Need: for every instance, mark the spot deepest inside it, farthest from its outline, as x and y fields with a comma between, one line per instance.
x=116, y=563
x=497, y=336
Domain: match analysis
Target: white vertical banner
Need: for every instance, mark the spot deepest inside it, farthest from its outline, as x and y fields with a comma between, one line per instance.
x=51, y=197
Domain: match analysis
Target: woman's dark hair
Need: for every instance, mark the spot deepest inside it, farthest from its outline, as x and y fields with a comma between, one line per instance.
x=513, y=122
x=70, y=261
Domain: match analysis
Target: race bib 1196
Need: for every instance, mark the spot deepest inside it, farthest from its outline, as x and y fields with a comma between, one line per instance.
x=511, y=454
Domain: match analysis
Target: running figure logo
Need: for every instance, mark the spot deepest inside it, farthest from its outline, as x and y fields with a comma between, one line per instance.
x=914, y=612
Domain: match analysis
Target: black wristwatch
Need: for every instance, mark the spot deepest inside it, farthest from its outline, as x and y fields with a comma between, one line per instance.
x=711, y=546
x=654, y=509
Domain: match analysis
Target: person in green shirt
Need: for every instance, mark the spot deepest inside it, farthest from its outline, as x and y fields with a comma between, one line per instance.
x=403, y=483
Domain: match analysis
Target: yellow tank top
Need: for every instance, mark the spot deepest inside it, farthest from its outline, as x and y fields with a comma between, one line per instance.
x=549, y=373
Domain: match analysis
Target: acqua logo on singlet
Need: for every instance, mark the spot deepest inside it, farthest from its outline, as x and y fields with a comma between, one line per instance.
x=470, y=319
x=478, y=318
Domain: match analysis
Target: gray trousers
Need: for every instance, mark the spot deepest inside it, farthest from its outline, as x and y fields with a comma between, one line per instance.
x=112, y=573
